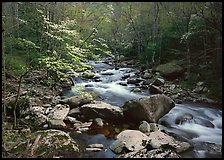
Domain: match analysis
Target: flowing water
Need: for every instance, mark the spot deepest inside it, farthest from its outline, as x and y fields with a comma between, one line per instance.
x=203, y=129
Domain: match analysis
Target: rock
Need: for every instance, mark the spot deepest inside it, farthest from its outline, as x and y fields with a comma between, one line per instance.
x=148, y=81
x=50, y=142
x=162, y=140
x=47, y=105
x=126, y=75
x=82, y=127
x=170, y=70
x=93, y=149
x=123, y=83
x=150, y=108
x=137, y=154
x=71, y=119
x=107, y=73
x=183, y=118
x=198, y=89
x=162, y=153
x=77, y=101
x=59, y=112
x=131, y=140
x=98, y=122
x=56, y=124
x=172, y=87
x=158, y=82
x=136, y=90
x=147, y=75
x=88, y=74
x=95, y=146
x=133, y=81
x=155, y=90
x=200, y=83
x=38, y=109
x=146, y=127
x=55, y=100
x=101, y=110
x=74, y=112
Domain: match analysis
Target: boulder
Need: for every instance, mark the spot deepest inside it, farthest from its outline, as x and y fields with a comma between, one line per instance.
x=59, y=112
x=75, y=112
x=133, y=81
x=146, y=127
x=50, y=141
x=101, y=110
x=155, y=90
x=155, y=153
x=76, y=101
x=158, y=82
x=129, y=140
x=150, y=108
x=170, y=70
x=56, y=124
x=159, y=139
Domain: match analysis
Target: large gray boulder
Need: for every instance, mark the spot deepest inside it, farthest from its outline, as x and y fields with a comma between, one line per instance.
x=159, y=139
x=101, y=110
x=77, y=101
x=131, y=140
x=170, y=70
x=150, y=108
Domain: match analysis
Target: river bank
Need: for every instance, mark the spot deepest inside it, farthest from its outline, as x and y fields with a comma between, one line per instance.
x=43, y=98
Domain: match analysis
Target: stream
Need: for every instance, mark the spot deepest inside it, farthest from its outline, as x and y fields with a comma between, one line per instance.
x=203, y=129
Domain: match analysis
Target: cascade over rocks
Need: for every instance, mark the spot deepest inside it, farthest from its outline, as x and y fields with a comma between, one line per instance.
x=150, y=108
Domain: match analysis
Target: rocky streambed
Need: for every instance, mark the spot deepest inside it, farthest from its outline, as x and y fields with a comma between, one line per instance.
x=116, y=112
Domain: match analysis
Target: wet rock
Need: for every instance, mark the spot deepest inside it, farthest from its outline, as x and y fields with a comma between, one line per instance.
x=133, y=81
x=158, y=82
x=148, y=81
x=123, y=83
x=97, y=145
x=129, y=140
x=59, y=112
x=162, y=140
x=147, y=75
x=107, y=73
x=56, y=124
x=146, y=127
x=101, y=110
x=77, y=101
x=136, y=90
x=184, y=118
x=150, y=108
x=155, y=90
x=93, y=149
x=126, y=75
x=88, y=74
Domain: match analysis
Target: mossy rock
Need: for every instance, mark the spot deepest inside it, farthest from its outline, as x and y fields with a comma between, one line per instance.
x=88, y=74
x=50, y=142
x=170, y=70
